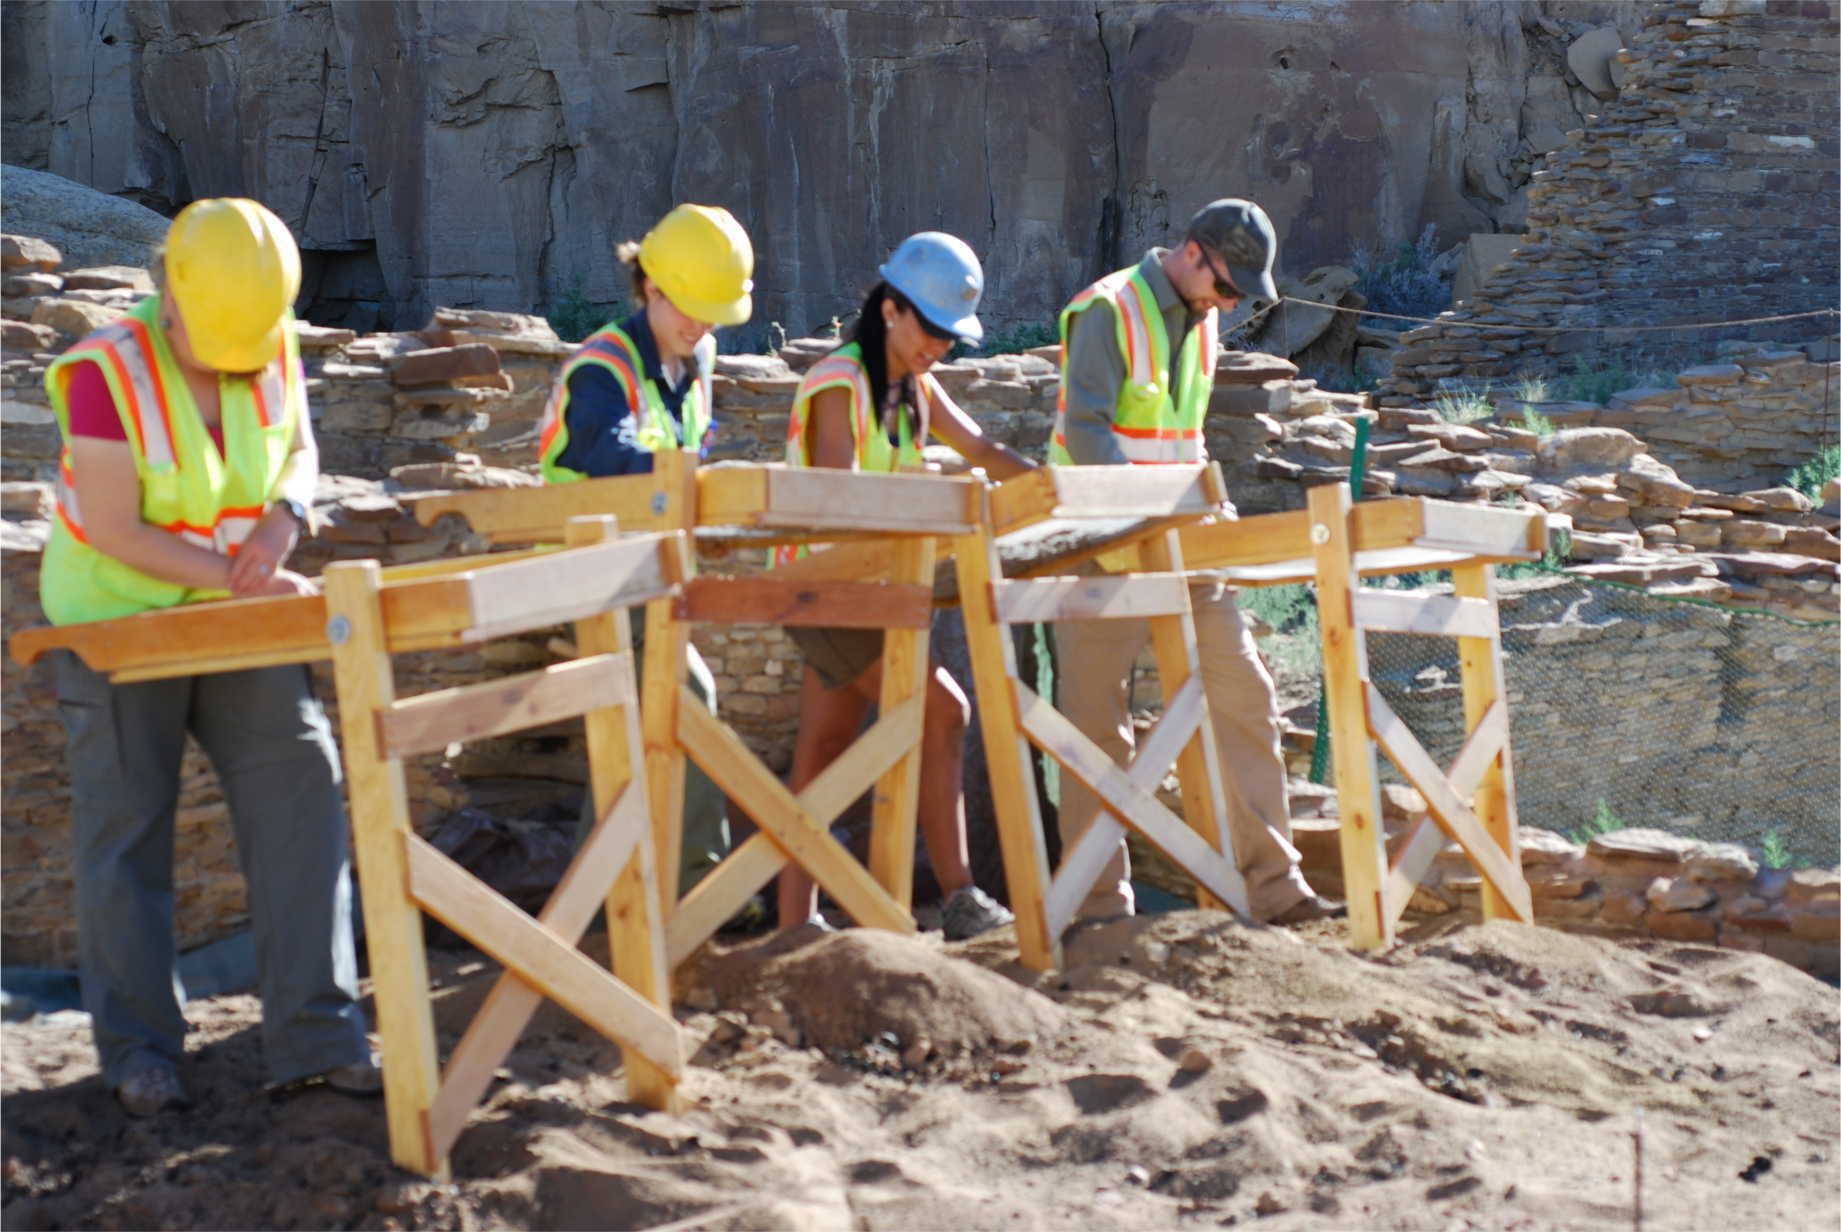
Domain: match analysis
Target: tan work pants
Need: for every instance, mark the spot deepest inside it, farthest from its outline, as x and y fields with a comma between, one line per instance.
x=1093, y=663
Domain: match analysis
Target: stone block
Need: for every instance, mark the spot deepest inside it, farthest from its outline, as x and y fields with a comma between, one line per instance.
x=1679, y=894
x=24, y=337
x=1819, y=924
x=26, y=252
x=1683, y=925
x=109, y=278
x=441, y=365
x=1710, y=374
x=29, y=284
x=1809, y=887
x=73, y=318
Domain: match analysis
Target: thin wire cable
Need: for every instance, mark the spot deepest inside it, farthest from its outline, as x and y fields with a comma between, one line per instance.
x=1555, y=329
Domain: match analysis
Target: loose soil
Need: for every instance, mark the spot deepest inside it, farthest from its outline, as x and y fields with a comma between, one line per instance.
x=1183, y=1070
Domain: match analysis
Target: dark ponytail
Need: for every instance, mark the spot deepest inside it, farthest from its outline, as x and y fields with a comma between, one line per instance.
x=870, y=333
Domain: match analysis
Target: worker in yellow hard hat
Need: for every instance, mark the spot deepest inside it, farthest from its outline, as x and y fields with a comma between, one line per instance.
x=187, y=470
x=641, y=385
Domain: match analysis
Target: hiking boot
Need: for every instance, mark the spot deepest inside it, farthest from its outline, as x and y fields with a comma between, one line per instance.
x=1308, y=909
x=971, y=911
x=362, y=1079
x=152, y=1090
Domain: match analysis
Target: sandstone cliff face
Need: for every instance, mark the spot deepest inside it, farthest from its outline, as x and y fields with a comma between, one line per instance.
x=491, y=153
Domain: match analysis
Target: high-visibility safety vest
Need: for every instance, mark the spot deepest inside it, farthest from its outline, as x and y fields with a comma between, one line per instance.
x=610, y=347
x=875, y=453
x=1149, y=427
x=188, y=488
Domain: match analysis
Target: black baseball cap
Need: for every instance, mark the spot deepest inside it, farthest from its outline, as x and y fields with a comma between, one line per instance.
x=1239, y=232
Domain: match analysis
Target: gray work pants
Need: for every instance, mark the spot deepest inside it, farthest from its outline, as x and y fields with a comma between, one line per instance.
x=267, y=737
x=706, y=809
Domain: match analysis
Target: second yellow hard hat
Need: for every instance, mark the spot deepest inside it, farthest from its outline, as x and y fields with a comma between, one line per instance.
x=232, y=270
x=700, y=257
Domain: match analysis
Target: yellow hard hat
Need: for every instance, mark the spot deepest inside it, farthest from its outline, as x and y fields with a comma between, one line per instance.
x=233, y=271
x=701, y=259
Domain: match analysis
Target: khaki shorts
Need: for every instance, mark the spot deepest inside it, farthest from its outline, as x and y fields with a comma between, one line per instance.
x=838, y=655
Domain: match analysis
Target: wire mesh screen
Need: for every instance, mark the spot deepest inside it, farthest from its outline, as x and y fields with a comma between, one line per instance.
x=1632, y=710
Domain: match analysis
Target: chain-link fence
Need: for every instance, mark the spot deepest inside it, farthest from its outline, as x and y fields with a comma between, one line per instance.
x=1629, y=709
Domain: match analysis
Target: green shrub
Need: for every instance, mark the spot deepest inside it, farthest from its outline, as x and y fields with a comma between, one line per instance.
x=1777, y=853
x=1018, y=338
x=1537, y=423
x=1463, y=406
x=1409, y=282
x=1811, y=476
x=575, y=316
x=1604, y=821
x=1295, y=649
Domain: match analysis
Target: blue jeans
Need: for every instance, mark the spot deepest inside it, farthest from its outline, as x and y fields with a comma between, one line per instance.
x=267, y=738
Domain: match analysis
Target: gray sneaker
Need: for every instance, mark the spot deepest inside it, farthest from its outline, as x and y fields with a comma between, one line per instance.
x=361, y=1078
x=151, y=1090
x=971, y=911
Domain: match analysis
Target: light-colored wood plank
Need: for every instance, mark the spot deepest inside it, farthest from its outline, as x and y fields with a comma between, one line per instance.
x=1494, y=797
x=1133, y=803
x=1080, y=868
x=1345, y=677
x=509, y=515
x=636, y=898
x=720, y=894
x=737, y=771
x=1488, y=738
x=540, y=957
x=1484, y=530
x=1199, y=774
x=509, y=1004
x=470, y=712
x=1007, y=753
x=1403, y=611
x=1105, y=492
x=1409, y=867
x=772, y=599
x=1128, y=597
x=822, y=499
x=1498, y=867
x=568, y=585
x=904, y=679
x=861, y=561
x=446, y=565
x=380, y=829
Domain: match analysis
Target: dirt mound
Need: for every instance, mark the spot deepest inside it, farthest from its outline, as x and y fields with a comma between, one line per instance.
x=1180, y=1069
x=854, y=987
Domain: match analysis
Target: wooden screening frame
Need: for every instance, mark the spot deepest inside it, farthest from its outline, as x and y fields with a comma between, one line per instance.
x=1144, y=503
x=897, y=520
x=366, y=615
x=1335, y=543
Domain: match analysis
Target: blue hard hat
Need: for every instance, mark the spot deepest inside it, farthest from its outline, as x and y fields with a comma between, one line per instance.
x=940, y=275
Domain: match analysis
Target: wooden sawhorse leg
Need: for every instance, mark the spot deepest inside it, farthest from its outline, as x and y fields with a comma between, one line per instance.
x=402, y=875
x=1014, y=717
x=1379, y=888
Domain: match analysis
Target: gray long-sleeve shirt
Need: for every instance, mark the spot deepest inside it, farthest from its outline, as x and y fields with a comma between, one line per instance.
x=1095, y=369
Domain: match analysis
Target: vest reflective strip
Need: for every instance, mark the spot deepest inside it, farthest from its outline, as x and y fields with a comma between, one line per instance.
x=156, y=433
x=1145, y=365
x=831, y=372
x=600, y=346
x=118, y=348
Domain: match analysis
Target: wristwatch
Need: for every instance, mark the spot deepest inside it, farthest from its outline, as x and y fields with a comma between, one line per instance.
x=298, y=510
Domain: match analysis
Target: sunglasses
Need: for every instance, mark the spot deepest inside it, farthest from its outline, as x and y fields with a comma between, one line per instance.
x=1224, y=286
x=933, y=331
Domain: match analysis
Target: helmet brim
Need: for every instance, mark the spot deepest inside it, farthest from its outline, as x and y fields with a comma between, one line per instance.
x=716, y=312
x=241, y=352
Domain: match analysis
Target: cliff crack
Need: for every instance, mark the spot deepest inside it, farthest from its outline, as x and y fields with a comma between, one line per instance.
x=319, y=145
x=1112, y=206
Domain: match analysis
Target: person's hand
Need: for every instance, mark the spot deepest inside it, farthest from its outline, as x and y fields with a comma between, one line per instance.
x=283, y=583
x=259, y=559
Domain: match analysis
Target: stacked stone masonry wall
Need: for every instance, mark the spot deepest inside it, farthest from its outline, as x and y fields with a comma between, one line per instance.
x=458, y=403
x=1704, y=192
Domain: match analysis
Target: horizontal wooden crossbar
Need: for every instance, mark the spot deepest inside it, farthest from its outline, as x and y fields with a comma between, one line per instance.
x=568, y=585
x=1127, y=597
x=809, y=500
x=774, y=600
x=1105, y=492
x=526, y=514
x=433, y=721
x=1402, y=611
x=1502, y=869
x=539, y=957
